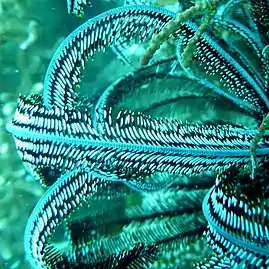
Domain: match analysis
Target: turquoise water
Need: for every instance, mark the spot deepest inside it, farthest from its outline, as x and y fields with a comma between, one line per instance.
x=105, y=162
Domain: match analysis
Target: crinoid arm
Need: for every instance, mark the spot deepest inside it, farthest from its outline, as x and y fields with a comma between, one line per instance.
x=76, y=6
x=103, y=31
x=236, y=211
x=207, y=7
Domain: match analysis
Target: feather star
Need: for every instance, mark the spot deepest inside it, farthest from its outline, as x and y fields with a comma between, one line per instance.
x=80, y=151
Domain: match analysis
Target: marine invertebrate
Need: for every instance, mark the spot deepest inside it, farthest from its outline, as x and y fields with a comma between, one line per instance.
x=18, y=195
x=236, y=210
x=74, y=148
x=100, y=236
x=76, y=6
x=70, y=131
x=208, y=7
x=159, y=217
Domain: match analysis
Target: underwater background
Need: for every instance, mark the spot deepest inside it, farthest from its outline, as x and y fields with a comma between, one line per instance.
x=165, y=210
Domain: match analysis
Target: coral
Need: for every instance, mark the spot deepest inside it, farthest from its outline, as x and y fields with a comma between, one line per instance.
x=254, y=144
x=207, y=7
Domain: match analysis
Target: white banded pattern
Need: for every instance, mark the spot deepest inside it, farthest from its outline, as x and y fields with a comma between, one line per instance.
x=213, y=64
x=76, y=6
x=132, y=144
x=127, y=24
x=238, y=228
x=55, y=205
